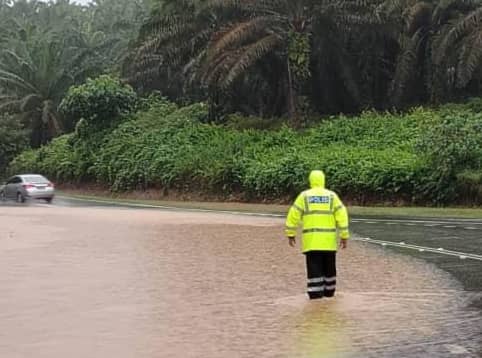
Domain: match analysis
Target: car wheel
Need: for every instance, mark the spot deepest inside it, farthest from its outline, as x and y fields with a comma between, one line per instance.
x=49, y=200
x=3, y=197
x=20, y=198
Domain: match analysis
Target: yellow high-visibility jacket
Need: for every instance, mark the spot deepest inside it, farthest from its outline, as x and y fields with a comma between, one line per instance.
x=323, y=216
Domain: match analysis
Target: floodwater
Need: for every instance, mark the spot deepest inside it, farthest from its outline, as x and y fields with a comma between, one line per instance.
x=105, y=282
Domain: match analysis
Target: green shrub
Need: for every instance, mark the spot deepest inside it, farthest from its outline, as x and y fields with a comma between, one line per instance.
x=417, y=157
x=469, y=186
x=354, y=172
x=101, y=102
x=57, y=160
x=13, y=140
x=475, y=104
x=452, y=145
x=240, y=122
x=26, y=162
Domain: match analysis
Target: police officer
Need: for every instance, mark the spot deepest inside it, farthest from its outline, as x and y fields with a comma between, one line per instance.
x=323, y=217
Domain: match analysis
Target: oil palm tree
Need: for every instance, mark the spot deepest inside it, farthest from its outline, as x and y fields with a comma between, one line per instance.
x=33, y=77
x=111, y=26
x=170, y=46
x=280, y=28
x=221, y=43
x=51, y=46
x=441, y=43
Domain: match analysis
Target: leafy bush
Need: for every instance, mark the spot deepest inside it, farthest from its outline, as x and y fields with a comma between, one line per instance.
x=100, y=102
x=475, y=104
x=155, y=102
x=57, y=160
x=13, y=139
x=452, y=145
x=238, y=121
x=374, y=157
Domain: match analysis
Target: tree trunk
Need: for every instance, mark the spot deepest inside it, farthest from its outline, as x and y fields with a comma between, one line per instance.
x=292, y=110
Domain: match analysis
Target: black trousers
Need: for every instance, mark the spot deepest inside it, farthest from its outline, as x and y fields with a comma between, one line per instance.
x=321, y=270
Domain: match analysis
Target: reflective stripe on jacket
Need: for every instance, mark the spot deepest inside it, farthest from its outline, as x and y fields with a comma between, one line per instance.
x=322, y=214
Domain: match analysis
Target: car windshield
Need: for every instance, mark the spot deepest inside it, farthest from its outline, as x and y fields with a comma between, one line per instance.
x=37, y=179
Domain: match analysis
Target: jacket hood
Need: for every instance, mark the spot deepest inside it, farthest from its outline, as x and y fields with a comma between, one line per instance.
x=317, y=179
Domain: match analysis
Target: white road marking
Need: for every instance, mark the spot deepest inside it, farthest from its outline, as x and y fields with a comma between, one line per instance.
x=441, y=251
x=368, y=221
x=369, y=240
x=174, y=208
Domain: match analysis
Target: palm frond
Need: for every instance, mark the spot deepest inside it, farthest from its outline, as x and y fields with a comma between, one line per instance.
x=28, y=102
x=236, y=34
x=392, y=7
x=469, y=61
x=212, y=70
x=418, y=16
x=464, y=26
x=10, y=106
x=250, y=55
x=444, y=8
x=406, y=65
x=11, y=79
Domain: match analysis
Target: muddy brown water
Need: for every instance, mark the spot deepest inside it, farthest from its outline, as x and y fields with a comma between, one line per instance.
x=84, y=282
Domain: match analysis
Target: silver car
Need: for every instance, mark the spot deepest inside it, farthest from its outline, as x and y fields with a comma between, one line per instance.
x=28, y=186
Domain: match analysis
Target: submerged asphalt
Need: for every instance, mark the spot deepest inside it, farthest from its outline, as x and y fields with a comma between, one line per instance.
x=453, y=245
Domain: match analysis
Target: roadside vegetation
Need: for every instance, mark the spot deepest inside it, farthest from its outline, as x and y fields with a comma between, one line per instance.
x=422, y=156
x=240, y=99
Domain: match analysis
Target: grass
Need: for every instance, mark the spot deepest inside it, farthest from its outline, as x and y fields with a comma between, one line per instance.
x=357, y=211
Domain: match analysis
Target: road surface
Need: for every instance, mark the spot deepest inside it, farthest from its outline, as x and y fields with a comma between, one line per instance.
x=84, y=280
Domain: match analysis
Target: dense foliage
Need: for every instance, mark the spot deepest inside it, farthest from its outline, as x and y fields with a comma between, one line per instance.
x=46, y=47
x=453, y=145
x=99, y=102
x=13, y=140
x=256, y=90
x=295, y=57
x=373, y=157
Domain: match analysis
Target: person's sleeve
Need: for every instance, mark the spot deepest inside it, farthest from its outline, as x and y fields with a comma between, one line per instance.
x=341, y=217
x=295, y=215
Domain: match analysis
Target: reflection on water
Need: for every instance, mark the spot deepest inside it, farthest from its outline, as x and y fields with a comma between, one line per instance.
x=375, y=324
x=123, y=283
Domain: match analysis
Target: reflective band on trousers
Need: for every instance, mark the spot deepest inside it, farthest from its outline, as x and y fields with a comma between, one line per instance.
x=330, y=288
x=316, y=280
x=316, y=289
x=330, y=279
x=307, y=231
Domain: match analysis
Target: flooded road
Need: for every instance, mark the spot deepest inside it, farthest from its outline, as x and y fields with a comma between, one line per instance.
x=109, y=282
